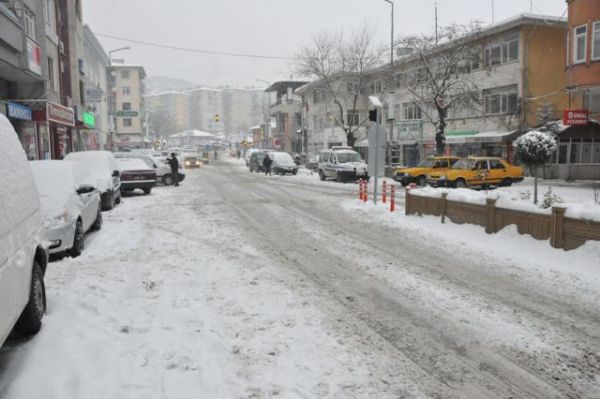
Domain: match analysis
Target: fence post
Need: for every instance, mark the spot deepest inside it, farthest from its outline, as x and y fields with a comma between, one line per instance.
x=444, y=206
x=490, y=211
x=407, y=210
x=557, y=237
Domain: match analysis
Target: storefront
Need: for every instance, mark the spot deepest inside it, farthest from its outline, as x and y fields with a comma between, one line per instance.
x=484, y=144
x=21, y=117
x=59, y=122
x=578, y=154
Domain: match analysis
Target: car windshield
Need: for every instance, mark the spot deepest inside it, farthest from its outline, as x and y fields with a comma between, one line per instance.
x=345, y=157
x=464, y=164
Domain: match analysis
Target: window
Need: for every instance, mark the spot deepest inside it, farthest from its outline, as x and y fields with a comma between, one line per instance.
x=376, y=87
x=29, y=20
x=502, y=52
x=127, y=122
x=501, y=101
x=316, y=96
x=591, y=100
x=51, y=81
x=580, y=44
x=397, y=112
x=354, y=88
x=50, y=14
x=353, y=118
x=125, y=74
x=126, y=90
x=411, y=111
x=126, y=106
x=495, y=164
x=596, y=42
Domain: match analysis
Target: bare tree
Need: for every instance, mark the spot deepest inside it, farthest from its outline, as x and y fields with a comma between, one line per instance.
x=440, y=78
x=341, y=65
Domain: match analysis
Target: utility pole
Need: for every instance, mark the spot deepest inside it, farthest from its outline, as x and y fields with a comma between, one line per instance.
x=436, y=23
x=392, y=34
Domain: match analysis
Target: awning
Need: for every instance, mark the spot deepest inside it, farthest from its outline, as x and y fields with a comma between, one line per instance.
x=470, y=137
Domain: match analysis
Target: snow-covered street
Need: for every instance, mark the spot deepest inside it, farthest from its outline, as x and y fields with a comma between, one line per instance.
x=237, y=285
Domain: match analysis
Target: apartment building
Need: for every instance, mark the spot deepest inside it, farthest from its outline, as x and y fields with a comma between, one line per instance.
x=206, y=110
x=286, y=109
x=126, y=105
x=174, y=109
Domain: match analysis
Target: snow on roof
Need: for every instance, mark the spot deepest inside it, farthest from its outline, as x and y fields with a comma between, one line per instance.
x=192, y=133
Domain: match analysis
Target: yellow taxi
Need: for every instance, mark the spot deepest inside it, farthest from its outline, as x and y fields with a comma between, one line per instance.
x=478, y=171
x=418, y=174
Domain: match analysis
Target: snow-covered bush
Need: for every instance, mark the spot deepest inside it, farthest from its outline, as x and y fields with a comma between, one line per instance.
x=551, y=199
x=535, y=149
x=596, y=195
x=525, y=196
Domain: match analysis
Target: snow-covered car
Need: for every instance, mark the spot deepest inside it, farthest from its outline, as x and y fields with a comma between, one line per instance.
x=342, y=164
x=104, y=174
x=135, y=173
x=163, y=171
x=248, y=154
x=23, y=250
x=70, y=204
x=283, y=163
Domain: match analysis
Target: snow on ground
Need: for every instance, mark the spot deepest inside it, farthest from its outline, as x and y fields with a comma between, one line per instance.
x=508, y=245
x=169, y=301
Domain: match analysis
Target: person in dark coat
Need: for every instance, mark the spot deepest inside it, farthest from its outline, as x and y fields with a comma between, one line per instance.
x=267, y=162
x=174, y=164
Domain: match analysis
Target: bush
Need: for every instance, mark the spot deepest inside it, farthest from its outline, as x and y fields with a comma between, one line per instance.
x=550, y=199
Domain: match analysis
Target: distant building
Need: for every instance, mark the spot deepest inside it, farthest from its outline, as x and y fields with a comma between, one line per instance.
x=173, y=107
x=242, y=108
x=126, y=104
x=206, y=109
x=192, y=138
x=286, y=109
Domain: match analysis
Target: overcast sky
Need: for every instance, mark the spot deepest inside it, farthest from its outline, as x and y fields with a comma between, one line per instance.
x=266, y=27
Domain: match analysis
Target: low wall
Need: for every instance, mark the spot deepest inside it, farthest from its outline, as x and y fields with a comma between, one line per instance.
x=563, y=232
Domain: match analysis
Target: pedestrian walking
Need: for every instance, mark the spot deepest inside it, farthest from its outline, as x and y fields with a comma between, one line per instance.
x=267, y=162
x=174, y=164
x=216, y=155
x=239, y=154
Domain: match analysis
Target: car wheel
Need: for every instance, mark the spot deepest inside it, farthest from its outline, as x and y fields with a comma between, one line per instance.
x=421, y=181
x=321, y=175
x=98, y=222
x=147, y=190
x=460, y=183
x=108, y=201
x=167, y=180
x=30, y=321
x=295, y=172
x=403, y=183
x=507, y=182
x=118, y=197
x=78, y=241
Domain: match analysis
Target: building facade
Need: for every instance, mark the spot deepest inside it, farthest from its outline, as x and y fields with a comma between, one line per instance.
x=126, y=105
x=172, y=109
x=288, y=133
x=206, y=109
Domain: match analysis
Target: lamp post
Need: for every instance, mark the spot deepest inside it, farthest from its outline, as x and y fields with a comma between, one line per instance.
x=110, y=53
x=392, y=34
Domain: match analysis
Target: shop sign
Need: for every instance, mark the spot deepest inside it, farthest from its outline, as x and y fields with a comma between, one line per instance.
x=576, y=117
x=34, y=57
x=60, y=114
x=89, y=120
x=410, y=130
x=127, y=114
x=18, y=111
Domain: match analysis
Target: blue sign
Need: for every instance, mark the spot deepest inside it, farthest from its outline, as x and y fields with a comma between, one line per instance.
x=18, y=111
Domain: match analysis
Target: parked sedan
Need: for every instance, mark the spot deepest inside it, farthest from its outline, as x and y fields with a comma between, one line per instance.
x=136, y=174
x=104, y=172
x=70, y=204
x=283, y=163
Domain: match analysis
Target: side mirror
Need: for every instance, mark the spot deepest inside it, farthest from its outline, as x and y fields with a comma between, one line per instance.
x=85, y=189
x=116, y=173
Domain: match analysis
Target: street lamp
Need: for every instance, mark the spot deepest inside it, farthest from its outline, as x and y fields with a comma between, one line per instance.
x=392, y=34
x=110, y=53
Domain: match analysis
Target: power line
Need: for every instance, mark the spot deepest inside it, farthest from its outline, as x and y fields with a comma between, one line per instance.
x=200, y=51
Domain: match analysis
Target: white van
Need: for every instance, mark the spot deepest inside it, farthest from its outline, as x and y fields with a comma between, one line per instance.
x=23, y=253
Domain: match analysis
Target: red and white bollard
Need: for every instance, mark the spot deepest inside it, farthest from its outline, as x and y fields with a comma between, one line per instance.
x=366, y=191
x=384, y=192
x=392, y=198
x=360, y=189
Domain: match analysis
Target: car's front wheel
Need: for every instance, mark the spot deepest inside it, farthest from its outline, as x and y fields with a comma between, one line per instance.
x=117, y=197
x=147, y=190
x=78, y=240
x=422, y=181
x=460, y=183
x=98, y=222
x=30, y=321
x=507, y=182
x=167, y=180
x=107, y=201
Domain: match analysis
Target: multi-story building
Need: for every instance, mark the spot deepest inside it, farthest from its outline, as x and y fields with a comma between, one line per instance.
x=126, y=105
x=242, y=108
x=286, y=109
x=173, y=108
x=95, y=113
x=578, y=155
x=206, y=110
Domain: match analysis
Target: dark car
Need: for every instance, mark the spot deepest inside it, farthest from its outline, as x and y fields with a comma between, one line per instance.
x=136, y=174
x=256, y=161
x=313, y=163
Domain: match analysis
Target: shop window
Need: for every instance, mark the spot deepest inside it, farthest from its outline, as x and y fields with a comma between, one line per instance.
x=580, y=44
x=596, y=42
x=596, y=152
x=586, y=151
x=575, y=156
x=563, y=149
